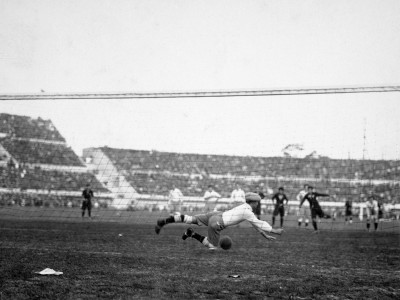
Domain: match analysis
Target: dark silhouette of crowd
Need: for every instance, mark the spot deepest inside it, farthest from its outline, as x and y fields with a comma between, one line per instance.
x=46, y=200
x=27, y=127
x=321, y=168
x=37, y=178
x=41, y=153
x=32, y=144
x=36, y=141
x=153, y=172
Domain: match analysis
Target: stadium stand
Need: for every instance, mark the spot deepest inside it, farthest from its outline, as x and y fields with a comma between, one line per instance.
x=153, y=172
x=26, y=127
x=47, y=200
x=37, y=166
x=41, y=179
x=323, y=168
x=25, y=151
x=35, y=159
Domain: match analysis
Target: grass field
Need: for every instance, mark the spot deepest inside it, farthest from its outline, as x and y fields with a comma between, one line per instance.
x=342, y=262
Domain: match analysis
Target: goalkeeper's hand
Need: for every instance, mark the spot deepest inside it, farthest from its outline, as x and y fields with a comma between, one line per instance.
x=268, y=237
x=277, y=231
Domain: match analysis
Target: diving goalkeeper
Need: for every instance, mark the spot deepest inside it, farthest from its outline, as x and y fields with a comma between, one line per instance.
x=218, y=221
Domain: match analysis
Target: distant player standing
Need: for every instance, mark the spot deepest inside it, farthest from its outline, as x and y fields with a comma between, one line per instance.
x=87, y=195
x=372, y=207
x=218, y=221
x=211, y=198
x=380, y=211
x=303, y=210
x=238, y=196
x=175, y=199
x=348, y=211
x=278, y=200
x=316, y=209
x=257, y=210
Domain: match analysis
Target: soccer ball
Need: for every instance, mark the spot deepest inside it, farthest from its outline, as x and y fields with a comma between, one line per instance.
x=225, y=242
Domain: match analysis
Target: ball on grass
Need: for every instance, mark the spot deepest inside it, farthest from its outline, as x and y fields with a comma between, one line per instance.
x=225, y=242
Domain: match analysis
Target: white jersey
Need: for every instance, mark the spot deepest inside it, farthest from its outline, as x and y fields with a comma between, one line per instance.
x=300, y=197
x=372, y=207
x=211, y=196
x=175, y=196
x=238, y=196
x=241, y=213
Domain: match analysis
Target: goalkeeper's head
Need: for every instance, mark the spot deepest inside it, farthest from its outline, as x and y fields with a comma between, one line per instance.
x=252, y=199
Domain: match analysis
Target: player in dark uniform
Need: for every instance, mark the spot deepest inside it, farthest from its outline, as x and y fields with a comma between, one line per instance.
x=315, y=208
x=257, y=210
x=278, y=200
x=348, y=211
x=380, y=208
x=87, y=195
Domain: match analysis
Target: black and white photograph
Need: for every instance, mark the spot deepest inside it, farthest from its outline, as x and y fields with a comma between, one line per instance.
x=171, y=149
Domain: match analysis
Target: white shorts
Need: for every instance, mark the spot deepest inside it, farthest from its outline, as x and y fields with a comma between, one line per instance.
x=372, y=214
x=304, y=212
x=174, y=206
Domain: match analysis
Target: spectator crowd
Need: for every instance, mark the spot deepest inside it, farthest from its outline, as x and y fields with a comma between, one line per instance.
x=37, y=141
x=27, y=127
x=37, y=178
x=321, y=168
x=46, y=200
x=41, y=153
x=153, y=172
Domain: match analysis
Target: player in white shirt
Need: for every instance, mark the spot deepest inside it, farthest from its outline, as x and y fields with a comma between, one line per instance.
x=175, y=200
x=218, y=221
x=211, y=198
x=372, y=207
x=304, y=210
x=238, y=196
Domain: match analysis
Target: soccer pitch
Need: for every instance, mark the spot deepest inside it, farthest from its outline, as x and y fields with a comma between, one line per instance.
x=118, y=255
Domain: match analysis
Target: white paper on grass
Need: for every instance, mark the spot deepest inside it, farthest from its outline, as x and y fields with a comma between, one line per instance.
x=49, y=271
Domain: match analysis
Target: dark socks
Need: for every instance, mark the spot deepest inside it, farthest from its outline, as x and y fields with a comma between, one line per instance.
x=198, y=237
x=376, y=226
x=273, y=221
x=314, y=223
x=368, y=225
x=171, y=219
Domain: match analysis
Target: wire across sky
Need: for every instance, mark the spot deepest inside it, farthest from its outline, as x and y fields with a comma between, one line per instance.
x=205, y=94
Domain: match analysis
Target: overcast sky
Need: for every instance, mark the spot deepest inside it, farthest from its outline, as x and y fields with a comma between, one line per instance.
x=142, y=46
